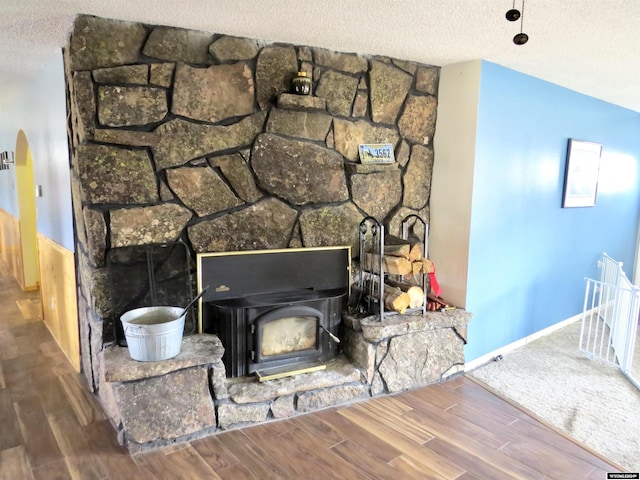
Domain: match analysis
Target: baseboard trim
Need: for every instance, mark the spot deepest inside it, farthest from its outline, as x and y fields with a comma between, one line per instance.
x=478, y=362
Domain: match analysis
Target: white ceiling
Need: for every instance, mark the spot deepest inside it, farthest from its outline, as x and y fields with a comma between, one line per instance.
x=591, y=46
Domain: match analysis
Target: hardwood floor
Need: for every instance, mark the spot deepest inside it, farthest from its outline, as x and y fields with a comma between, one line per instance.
x=52, y=428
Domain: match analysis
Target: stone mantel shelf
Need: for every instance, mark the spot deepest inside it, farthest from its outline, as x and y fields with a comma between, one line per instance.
x=306, y=102
x=195, y=350
x=374, y=330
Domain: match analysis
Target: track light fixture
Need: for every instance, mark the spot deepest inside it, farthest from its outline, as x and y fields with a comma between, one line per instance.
x=521, y=38
x=513, y=15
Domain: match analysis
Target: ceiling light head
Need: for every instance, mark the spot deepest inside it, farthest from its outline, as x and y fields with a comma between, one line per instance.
x=521, y=38
x=512, y=15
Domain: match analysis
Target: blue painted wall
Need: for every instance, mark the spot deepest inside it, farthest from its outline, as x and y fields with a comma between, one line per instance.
x=528, y=256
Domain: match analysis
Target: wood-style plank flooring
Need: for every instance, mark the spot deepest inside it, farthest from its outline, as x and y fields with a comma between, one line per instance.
x=52, y=428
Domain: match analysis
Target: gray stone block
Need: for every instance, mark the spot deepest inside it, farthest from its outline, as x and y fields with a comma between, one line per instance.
x=163, y=408
x=230, y=414
x=328, y=397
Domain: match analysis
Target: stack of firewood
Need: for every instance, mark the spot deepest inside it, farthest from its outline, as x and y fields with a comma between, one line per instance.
x=401, y=258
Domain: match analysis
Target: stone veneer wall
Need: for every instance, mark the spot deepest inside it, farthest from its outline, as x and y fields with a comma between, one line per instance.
x=180, y=134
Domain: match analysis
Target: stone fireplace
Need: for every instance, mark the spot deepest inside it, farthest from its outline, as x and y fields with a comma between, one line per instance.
x=189, y=136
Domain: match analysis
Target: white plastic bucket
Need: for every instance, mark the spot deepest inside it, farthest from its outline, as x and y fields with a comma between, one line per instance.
x=153, y=333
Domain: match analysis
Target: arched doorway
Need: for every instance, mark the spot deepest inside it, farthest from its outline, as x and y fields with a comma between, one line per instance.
x=25, y=187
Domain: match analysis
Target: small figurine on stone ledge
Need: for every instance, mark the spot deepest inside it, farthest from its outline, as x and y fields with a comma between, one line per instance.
x=301, y=84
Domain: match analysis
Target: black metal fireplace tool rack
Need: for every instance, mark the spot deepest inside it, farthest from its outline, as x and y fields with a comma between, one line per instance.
x=369, y=289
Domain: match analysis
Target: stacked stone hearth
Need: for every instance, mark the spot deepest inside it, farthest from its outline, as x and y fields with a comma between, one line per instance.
x=155, y=403
x=188, y=135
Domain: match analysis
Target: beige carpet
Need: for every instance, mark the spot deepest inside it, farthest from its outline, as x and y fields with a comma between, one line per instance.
x=588, y=399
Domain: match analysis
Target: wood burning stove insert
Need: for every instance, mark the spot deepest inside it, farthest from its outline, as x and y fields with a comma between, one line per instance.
x=276, y=312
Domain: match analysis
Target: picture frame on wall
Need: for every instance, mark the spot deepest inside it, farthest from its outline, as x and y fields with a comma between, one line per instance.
x=581, y=173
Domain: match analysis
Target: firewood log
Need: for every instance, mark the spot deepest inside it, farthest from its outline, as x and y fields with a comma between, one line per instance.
x=395, y=299
x=392, y=265
x=416, y=268
x=397, y=250
x=415, y=253
x=411, y=249
x=427, y=266
x=416, y=293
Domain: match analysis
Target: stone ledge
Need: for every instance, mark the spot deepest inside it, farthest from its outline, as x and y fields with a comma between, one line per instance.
x=195, y=350
x=407, y=351
x=374, y=330
x=290, y=100
x=252, y=402
x=328, y=397
x=338, y=372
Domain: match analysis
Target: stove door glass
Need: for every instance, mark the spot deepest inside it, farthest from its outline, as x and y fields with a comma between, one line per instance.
x=289, y=334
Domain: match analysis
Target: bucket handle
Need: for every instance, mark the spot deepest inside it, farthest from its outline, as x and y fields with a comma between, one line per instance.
x=139, y=327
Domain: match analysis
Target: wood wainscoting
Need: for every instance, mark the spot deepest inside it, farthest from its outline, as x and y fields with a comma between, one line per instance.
x=58, y=293
x=10, y=245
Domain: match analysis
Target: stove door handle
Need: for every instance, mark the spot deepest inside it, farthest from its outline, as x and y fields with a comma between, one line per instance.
x=333, y=337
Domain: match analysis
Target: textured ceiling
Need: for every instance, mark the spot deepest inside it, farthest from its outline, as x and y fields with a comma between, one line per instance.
x=587, y=45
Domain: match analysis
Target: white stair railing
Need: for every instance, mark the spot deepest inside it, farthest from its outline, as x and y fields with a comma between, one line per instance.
x=610, y=317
